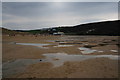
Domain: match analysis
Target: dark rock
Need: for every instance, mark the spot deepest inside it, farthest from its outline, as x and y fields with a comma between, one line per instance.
x=103, y=44
x=90, y=46
x=40, y=60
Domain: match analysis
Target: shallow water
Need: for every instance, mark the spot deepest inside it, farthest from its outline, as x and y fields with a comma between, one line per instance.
x=50, y=40
x=35, y=44
x=58, y=59
x=114, y=51
x=63, y=46
x=88, y=50
x=17, y=66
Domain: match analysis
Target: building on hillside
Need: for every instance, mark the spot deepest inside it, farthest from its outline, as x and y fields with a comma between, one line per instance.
x=58, y=33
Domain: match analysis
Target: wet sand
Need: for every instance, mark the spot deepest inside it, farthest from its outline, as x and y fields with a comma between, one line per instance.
x=92, y=68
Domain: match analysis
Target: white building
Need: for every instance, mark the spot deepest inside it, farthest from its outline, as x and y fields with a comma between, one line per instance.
x=58, y=33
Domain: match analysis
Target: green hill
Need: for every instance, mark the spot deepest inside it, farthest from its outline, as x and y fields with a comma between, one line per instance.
x=98, y=28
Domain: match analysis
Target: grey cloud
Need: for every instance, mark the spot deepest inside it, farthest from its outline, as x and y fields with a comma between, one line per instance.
x=45, y=9
x=0, y=14
x=32, y=15
x=61, y=0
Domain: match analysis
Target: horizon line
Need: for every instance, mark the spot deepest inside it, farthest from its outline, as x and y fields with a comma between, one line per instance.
x=64, y=25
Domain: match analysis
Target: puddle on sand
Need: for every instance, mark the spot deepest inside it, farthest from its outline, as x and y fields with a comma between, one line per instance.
x=35, y=44
x=17, y=66
x=114, y=51
x=50, y=40
x=63, y=46
x=58, y=59
x=88, y=51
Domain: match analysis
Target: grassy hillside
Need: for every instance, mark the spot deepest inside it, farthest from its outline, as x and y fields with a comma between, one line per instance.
x=10, y=32
x=98, y=28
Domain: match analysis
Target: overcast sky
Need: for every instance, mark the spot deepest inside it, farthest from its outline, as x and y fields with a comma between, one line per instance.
x=60, y=0
x=37, y=15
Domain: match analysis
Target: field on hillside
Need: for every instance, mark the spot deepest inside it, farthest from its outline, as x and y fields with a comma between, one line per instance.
x=63, y=56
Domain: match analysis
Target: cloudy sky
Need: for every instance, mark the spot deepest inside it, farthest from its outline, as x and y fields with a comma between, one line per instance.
x=37, y=15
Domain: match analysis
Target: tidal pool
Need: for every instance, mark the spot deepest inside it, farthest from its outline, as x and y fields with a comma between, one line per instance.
x=88, y=51
x=50, y=40
x=35, y=44
x=16, y=66
x=58, y=59
x=114, y=51
x=63, y=46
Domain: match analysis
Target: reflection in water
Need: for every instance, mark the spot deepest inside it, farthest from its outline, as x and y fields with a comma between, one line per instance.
x=17, y=66
x=87, y=50
x=63, y=46
x=57, y=59
x=35, y=44
x=114, y=51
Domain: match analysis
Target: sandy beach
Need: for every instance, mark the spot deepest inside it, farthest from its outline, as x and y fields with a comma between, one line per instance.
x=19, y=48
